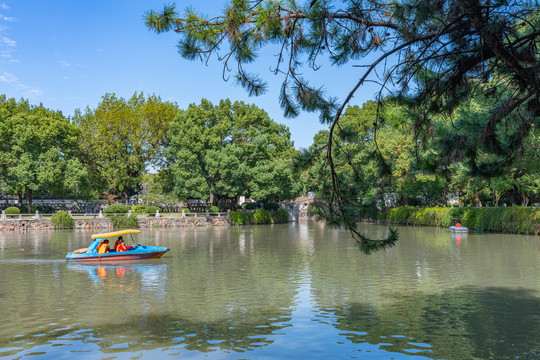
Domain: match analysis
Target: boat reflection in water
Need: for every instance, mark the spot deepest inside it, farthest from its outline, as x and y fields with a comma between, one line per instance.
x=458, y=237
x=150, y=271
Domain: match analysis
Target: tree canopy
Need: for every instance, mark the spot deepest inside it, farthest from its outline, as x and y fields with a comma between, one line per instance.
x=120, y=138
x=228, y=150
x=431, y=56
x=37, y=150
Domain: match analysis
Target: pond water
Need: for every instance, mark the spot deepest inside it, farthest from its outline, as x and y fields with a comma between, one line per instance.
x=273, y=292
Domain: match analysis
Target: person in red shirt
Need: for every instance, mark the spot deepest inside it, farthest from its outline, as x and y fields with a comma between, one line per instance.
x=116, y=243
x=121, y=245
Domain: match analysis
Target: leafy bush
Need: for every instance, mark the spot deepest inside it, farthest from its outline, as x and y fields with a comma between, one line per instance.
x=13, y=210
x=213, y=209
x=138, y=209
x=261, y=216
x=250, y=205
x=151, y=209
x=272, y=206
x=240, y=218
x=124, y=221
x=435, y=216
x=62, y=220
x=280, y=217
x=116, y=209
x=400, y=214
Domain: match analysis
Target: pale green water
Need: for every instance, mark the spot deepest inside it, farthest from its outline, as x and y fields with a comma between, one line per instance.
x=274, y=292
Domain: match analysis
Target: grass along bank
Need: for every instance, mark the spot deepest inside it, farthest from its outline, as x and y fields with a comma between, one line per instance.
x=515, y=219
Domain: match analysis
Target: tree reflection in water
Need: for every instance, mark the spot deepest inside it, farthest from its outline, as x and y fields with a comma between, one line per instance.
x=464, y=323
x=241, y=332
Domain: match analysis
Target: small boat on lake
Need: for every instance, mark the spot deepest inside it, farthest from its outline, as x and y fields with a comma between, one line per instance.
x=458, y=228
x=136, y=252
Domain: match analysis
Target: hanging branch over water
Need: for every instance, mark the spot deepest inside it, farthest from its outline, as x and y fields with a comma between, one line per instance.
x=442, y=52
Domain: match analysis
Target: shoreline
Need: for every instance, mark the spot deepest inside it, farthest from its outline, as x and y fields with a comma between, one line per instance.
x=504, y=220
x=107, y=224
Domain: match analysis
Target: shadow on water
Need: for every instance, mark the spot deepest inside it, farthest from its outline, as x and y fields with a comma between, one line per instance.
x=463, y=323
x=240, y=332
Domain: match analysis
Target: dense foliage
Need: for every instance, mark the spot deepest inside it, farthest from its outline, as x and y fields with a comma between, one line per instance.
x=62, y=220
x=228, y=150
x=121, y=138
x=38, y=150
x=390, y=170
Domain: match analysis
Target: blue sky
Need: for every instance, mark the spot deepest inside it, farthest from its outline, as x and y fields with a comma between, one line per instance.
x=68, y=54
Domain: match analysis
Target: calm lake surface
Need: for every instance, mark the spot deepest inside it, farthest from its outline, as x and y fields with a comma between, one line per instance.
x=273, y=292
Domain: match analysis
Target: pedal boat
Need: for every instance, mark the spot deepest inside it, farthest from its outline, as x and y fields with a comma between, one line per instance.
x=137, y=252
x=459, y=229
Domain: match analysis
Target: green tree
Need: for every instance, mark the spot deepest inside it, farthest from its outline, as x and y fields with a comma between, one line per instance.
x=37, y=147
x=431, y=54
x=121, y=138
x=159, y=188
x=229, y=150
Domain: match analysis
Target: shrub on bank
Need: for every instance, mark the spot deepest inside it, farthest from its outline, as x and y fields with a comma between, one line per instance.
x=213, y=209
x=400, y=214
x=261, y=216
x=13, y=210
x=151, y=209
x=116, y=209
x=62, y=220
x=240, y=218
x=280, y=217
x=515, y=219
x=138, y=209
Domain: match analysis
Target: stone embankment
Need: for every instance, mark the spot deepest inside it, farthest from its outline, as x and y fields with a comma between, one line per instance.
x=183, y=222
x=106, y=224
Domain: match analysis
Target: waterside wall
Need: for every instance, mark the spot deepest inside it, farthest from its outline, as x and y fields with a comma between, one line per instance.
x=106, y=224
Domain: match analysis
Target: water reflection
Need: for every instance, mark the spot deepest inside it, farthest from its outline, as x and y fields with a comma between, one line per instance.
x=458, y=237
x=463, y=323
x=298, y=290
x=239, y=332
x=150, y=271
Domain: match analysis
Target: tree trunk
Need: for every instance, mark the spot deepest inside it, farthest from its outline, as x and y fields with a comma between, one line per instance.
x=28, y=198
x=19, y=194
x=477, y=201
